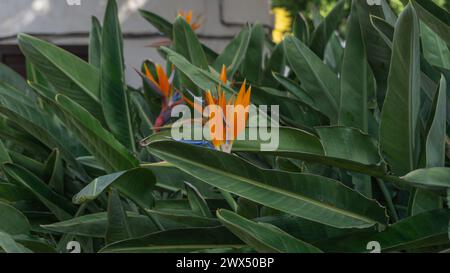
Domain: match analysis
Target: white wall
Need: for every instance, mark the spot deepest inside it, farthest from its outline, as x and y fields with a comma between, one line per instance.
x=57, y=17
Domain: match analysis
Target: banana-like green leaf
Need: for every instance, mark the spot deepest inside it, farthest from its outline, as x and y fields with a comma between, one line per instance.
x=234, y=53
x=263, y=237
x=4, y=156
x=385, y=30
x=94, y=225
x=357, y=81
x=95, y=43
x=57, y=204
x=424, y=200
x=295, y=89
x=197, y=202
x=252, y=65
x=177, y=241
x=166, y=28
x=38, y=124
x=186, y=43
x=30, y=164
x=36, y=245
x=136, y=184
x=433, y=177
x=114, y=94
x=312, y=197
x=398, y=128
x=9, y=245
x=203, y=79
x=421, y=230
x=341, y=147
x=9, y=76
x=54, y=172
x=334, y=53
x=436, y=18
x=323, y=32
x=300, y=28
x=435, y=49
x=436, y=138
x=275, y=63
x=170, y=178
x=388, y=14
x=13, y=221
x=11, y=193
x=303, y=229
x=118, y=228
x=316, y=78
x=69, y=74
x=99, y=142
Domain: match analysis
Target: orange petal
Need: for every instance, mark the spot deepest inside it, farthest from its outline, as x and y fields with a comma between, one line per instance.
x=163, y=80
x=246, y=100
x=189, y=17
x=209, y=98
x=223, y=74
x=150, y=76
x=197, y=107
x=241, y=94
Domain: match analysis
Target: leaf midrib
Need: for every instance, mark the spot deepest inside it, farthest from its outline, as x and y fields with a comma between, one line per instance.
x=280, y=191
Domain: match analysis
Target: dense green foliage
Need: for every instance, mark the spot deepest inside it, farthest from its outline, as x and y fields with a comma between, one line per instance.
x=363, y=152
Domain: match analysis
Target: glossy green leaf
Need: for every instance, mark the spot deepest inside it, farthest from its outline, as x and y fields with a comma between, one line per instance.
x=13, y=221
x=433, y=177
x=56, y=203
x=435, y=49
x=385, y=30
x=234, y=53
x=357, y=82
x=136, y=184
x=197, y=202
x=422, y=230
x=69, y=74
x=107, y=150
x=118, y=228
x=186, y=43
x=8, y=244
x=425, y=200
x=312, y=197
x=263, y=237
x=436, y=18
x=11, y=193
x=341, y=147
x=323, y=31
x=38, y=124
x=95, y=43
x=334, y=53
x=295, y=89
x=316, y=78
x=252, y=65
x=94, y=225
x=177, y=241
x=113, y=89
x=398, y=128
x=300, y=28
x=11, y=77
x=4, y=156
x=436, y=138
x=166, y=28
x=54, y=172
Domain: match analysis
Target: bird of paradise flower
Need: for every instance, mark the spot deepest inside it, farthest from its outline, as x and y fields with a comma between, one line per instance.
x=188, y=16
x=227, y=119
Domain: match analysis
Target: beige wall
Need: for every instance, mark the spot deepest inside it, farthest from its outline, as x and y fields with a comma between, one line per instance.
x=57, y=17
